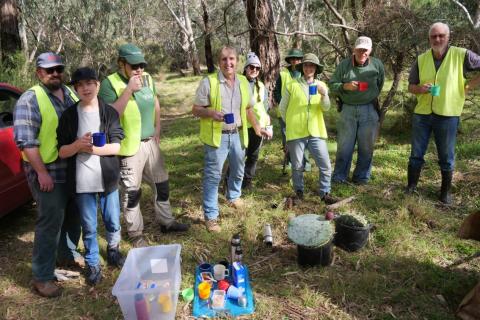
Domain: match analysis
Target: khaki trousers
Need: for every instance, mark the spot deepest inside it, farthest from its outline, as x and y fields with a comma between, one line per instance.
x=146, y=165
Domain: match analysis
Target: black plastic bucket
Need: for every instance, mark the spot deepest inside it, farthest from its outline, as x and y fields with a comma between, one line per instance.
x=350, y=238
x=310, y=257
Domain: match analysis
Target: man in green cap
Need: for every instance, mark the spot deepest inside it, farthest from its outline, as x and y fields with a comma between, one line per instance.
x=131, y=91
x=293, y=58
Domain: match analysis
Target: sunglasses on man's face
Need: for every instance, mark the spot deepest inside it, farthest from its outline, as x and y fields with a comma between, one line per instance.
x=251, y=67
x=58, y=69
x=138, y=66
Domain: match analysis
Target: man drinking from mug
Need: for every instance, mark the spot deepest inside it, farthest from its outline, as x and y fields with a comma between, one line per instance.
x=131, y=91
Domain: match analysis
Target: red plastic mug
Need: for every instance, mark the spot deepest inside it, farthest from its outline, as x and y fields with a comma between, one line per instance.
x=362, y=86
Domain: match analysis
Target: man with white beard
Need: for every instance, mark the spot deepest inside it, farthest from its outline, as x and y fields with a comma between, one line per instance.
x=437, y=78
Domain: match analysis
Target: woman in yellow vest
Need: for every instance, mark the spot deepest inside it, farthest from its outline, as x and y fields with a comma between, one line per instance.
x=302, y=109
x=260, y=95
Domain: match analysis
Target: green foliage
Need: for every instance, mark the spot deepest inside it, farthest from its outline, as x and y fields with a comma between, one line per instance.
x=15, y=71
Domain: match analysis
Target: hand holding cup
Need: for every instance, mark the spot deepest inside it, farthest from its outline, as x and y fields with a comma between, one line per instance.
x=135, y=83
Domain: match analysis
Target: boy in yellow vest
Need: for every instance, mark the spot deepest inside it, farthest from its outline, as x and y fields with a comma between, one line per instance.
x=437, y=79
x=132, y=93
x=223, y=103
x=57, y=229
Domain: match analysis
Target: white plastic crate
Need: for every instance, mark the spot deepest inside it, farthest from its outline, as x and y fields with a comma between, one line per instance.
x=149, y=283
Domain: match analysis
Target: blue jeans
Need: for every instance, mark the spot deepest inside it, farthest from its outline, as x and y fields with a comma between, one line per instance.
x=57, y=230
x=357, y=124
x=110, y=209
x=318, y=149
x=231, y=148
x=445, y=134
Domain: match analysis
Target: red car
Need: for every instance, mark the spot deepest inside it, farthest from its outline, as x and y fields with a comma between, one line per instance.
x=14, y=191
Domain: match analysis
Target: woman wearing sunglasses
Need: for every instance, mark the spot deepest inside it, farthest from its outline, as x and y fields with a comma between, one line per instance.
x=260, y=107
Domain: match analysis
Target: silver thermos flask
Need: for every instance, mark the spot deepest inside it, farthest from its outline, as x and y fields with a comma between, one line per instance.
x=267, y=235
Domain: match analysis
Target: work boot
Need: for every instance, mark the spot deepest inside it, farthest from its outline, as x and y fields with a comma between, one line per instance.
x=213, y=226
x=114, y=257
x=175, y=227
x=413, y=177
x=445, y=194
x=138, y=242
x=94, y=275
x=246, y=184
x=299, y=194
x=329, y=199
x=46, y=289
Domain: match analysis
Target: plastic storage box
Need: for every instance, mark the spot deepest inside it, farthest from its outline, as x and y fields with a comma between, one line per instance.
x=149, y=283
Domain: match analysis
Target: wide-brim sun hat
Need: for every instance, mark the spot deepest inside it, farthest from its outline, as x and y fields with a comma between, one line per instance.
x=294, y=53
x=311, y=58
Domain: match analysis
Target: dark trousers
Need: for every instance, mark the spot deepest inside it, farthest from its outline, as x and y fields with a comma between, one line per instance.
x=252, y=152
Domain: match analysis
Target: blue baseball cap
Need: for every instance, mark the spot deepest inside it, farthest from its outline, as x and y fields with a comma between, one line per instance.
x=49, y=60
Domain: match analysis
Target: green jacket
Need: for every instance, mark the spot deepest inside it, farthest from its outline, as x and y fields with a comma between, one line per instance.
x=373, y=73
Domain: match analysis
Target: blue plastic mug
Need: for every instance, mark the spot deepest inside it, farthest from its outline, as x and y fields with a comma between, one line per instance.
x=99, y=139
x=229, y=118
x=312, y=89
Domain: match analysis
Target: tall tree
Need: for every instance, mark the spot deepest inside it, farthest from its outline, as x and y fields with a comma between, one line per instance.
x=262, y=40
x=9, y=35
x=185, y=24
x=208, y=38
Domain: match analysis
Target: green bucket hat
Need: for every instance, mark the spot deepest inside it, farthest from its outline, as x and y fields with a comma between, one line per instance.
x=310, y=57
x=294, y=53
x=131, y=53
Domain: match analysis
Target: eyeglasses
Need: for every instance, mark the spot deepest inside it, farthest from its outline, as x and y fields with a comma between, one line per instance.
x=58, y=69
x=251, y=67
x=441, y=36
x=138, y=66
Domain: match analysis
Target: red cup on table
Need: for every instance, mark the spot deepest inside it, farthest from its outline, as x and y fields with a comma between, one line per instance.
x=362, y=86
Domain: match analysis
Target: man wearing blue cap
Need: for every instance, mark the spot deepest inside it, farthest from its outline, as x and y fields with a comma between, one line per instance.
x=132, y=93
x=57, y=229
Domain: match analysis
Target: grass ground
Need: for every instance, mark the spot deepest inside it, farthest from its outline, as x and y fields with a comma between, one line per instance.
x=403, y=273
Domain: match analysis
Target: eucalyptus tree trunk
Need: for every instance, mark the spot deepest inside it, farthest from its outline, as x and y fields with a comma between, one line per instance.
x=263, y=41
x=9, y=35
x=208, y=38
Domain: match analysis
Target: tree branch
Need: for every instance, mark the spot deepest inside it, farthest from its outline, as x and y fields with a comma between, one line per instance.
x=289, y=34
x=469, y=17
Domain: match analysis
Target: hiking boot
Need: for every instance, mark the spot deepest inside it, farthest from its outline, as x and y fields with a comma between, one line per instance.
x=114, y=257
x=237, y=204
x=329, y=199
x=139, y=242
x=445, y=194
x=175, y=227
x=213, y=226
x=299, y=194
x=413, y=177
x=77, y=263
x=94, y=275
x=46, y=289
x=246, y=184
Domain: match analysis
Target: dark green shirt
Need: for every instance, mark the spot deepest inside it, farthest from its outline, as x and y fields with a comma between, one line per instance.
x=144, y=99
x=372, y=72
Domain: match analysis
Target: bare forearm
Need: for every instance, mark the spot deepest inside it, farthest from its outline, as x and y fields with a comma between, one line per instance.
x=122, y=101
x=202, y=112
x=35, y=160
x=472, y=84
x=67, y=151
x=157, y=117
x=110, y=149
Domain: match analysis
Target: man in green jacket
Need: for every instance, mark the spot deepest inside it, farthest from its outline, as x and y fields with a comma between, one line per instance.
x=357, y=81
x=437, y=78
x=131, y=92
